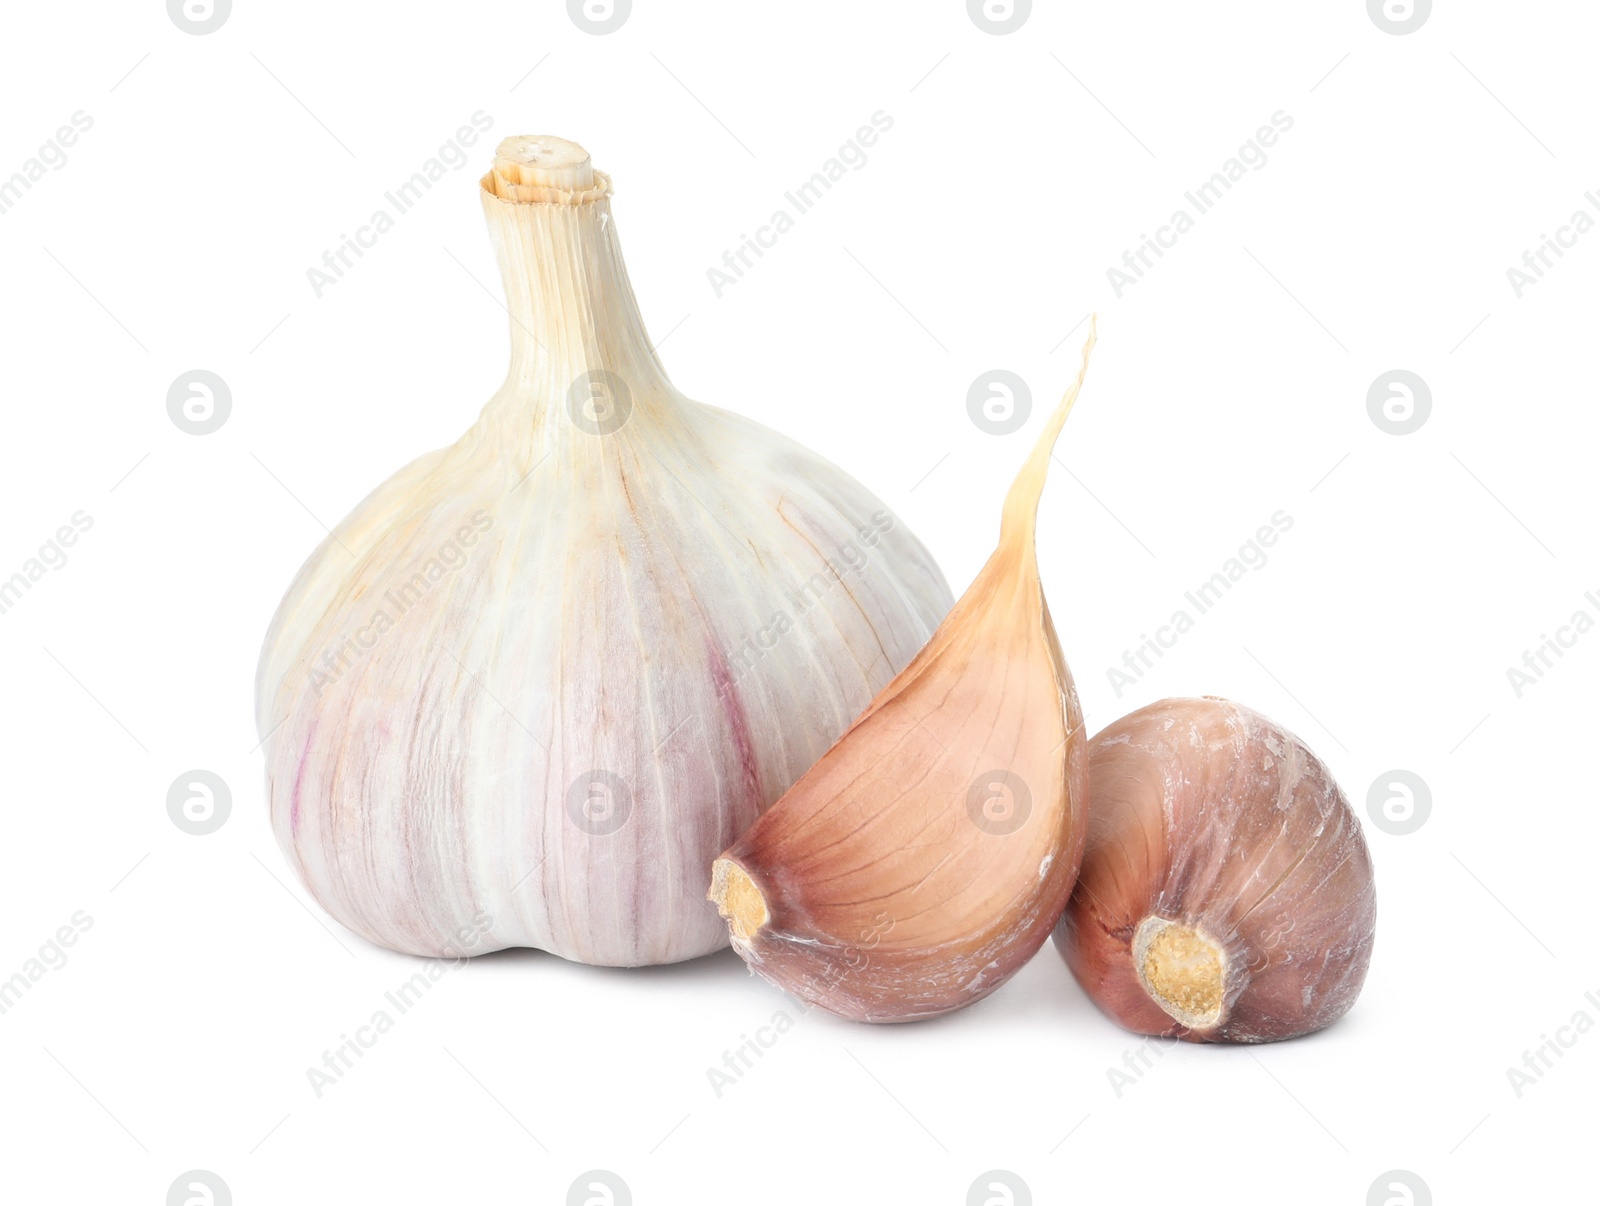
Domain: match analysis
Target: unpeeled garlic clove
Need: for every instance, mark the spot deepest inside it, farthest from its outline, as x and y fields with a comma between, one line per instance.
x=926, y=857
x=544, y=675
x=1226, y=893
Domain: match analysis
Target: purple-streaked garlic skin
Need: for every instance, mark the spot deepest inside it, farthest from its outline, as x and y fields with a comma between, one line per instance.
x=534, y=683
x=1208, y=816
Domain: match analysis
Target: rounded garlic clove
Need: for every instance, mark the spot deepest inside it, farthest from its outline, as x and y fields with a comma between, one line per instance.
x=1226, y=892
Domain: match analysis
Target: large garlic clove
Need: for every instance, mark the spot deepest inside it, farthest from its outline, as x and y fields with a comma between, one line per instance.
x=1226, y=893
x=532, y=685
x=926, y=857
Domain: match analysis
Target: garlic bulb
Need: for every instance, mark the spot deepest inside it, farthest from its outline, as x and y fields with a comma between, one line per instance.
x=535, y=681
x=927, y=856
x=1226, y=892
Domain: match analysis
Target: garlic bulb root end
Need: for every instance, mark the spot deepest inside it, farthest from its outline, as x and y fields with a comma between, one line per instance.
x=738, y=899
x=1184, y=970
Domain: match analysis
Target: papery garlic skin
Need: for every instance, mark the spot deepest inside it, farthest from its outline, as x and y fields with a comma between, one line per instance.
x=919, y=864
x=615, y=625
x=1226, y=893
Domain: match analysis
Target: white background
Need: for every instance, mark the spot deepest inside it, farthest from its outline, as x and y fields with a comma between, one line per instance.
x=1231, y=382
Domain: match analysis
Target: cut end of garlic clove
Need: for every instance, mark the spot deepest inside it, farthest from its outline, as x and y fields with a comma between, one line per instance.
x=737, y=898
x=1183, y=969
